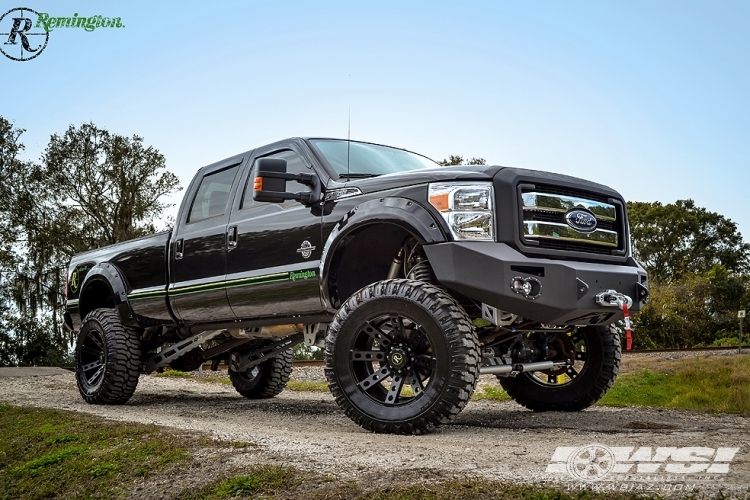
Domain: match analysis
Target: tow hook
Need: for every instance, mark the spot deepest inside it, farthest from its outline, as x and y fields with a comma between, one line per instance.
x=613, y=298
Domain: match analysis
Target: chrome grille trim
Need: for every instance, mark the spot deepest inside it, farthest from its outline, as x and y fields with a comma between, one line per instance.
x=563, y=232
x=546, y=202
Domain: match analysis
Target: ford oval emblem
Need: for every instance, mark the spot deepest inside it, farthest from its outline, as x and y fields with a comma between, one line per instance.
x=582, y=221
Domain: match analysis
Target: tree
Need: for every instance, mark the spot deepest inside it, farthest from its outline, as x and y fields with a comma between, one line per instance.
x=459, y=160
x=674, y=239
x=109, y=185
x=93, y=188
x=690, y=311
x=697, y=263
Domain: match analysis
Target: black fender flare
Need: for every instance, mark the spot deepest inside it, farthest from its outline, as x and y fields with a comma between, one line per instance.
x=115, y=280
x=401, y=212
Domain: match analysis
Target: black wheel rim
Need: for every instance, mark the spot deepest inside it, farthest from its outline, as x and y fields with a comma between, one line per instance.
x=567, y=345
x=251, y=374
x=93, y=360
x=392, y=359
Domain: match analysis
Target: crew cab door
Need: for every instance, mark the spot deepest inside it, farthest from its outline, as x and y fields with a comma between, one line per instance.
x=274, y=250
x=199, y=246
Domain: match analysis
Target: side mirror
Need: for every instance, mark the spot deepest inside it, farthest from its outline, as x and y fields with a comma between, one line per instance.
x=267, y=186
x=270, y=183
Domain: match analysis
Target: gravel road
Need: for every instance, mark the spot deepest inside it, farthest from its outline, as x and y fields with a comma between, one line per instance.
x=494, y=440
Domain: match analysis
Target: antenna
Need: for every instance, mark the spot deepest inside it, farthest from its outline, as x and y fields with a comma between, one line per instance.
x=349, y=126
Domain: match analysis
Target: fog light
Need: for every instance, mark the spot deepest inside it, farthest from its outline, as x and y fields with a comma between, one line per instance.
x=530, y=288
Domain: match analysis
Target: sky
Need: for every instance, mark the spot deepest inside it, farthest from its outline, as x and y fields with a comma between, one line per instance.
x=649, y=97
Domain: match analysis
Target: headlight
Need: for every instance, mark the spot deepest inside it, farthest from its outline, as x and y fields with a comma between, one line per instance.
x=466, y=207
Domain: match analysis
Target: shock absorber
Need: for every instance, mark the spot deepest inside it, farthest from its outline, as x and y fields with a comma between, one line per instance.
x=398, y=261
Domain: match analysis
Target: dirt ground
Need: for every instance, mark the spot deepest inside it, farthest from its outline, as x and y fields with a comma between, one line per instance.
x=493, y=440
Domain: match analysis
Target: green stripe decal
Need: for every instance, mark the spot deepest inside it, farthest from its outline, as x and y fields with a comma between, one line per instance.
x=222, y=285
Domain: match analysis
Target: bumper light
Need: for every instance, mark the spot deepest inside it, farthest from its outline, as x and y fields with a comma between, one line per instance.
x=466, y=207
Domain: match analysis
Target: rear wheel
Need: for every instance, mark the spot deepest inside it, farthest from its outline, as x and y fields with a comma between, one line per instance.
x=595, y=353
x=107, y=359
x=264, y=380
x=401, y=357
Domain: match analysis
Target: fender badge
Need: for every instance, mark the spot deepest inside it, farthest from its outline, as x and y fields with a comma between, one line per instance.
x=74, y=281
x=306, y=249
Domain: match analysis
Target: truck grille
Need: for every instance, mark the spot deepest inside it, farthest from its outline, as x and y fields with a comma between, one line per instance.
x=546, y=210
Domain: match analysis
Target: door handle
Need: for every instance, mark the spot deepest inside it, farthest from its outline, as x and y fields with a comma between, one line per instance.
x=178, y=248
x=232, y=238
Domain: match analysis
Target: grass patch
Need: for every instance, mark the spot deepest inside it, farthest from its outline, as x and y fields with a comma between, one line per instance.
x=490, y=393
x=170, y=373
x=307, y=386
x=715, y=383
x=275, y=482
x=59, y=454
x=260, y=479
x=53, y=453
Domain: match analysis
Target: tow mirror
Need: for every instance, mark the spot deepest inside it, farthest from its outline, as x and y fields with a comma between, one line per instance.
x=270, y=183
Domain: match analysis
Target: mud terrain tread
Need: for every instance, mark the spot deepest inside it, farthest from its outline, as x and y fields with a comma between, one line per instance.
x=462, y=343
x=274, y=375
x=123, y=360
x=580, y=397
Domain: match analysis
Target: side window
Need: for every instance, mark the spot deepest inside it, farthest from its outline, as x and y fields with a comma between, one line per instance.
x=213, y=194
x=294, y=165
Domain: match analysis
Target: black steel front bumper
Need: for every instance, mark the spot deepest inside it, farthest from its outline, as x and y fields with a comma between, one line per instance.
x=484, y=272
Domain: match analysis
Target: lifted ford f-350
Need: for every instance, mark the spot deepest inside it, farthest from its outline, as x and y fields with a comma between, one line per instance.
x=415, y=278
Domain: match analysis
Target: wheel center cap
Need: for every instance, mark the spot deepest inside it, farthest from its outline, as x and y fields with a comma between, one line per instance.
x=397, y=358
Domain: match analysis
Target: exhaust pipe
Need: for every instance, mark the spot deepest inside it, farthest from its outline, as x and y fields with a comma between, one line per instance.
x=520, y=367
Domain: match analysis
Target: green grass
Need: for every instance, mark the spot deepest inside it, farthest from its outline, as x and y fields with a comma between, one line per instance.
x=169, y=373
x=59, y=454
x=268, y=480
x=717, y=384
x=307, y=386
x=275, y=482
x=52, y=453
x=490, y=393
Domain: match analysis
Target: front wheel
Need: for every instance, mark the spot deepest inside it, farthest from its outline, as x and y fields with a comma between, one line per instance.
x=402, y=357
x=595, y=352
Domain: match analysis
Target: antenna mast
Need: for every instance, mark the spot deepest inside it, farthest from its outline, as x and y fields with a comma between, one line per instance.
x=349, y=126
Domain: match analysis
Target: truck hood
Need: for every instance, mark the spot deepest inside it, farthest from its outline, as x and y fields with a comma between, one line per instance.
x=458, y=173
x=421, y=176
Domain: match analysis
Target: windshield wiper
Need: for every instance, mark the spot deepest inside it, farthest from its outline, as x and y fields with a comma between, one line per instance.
x=356, y=176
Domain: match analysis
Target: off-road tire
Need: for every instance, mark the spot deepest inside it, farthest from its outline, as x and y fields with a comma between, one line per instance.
x=604, y=353
x=268, y=381
x=452, y=339
x=121, y=356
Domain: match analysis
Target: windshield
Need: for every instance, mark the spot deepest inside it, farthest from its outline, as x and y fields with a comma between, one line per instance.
x=359, y=159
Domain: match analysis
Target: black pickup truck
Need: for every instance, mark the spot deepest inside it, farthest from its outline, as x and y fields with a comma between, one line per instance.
x=416, y=278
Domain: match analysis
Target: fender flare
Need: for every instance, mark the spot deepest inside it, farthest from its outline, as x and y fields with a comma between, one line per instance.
x=118, y=287
x=402, y=212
